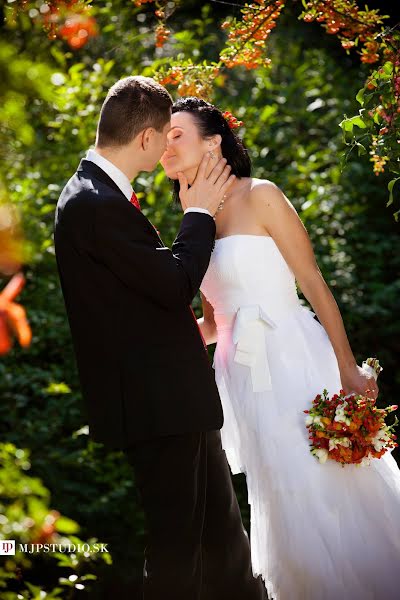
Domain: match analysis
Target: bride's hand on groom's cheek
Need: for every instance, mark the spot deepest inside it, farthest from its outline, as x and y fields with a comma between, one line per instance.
x=209, y=187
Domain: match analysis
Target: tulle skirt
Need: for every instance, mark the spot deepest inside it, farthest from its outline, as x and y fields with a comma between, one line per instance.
x=318, y=531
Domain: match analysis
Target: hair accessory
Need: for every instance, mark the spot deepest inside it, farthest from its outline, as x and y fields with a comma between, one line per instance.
x=231, y=120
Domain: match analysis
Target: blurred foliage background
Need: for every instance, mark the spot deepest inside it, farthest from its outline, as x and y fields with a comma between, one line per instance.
x=50, y=99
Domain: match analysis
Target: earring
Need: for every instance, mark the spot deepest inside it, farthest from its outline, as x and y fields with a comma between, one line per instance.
x=212, y=154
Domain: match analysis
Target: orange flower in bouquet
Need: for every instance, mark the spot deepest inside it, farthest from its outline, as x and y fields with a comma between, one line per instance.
x=350, y=429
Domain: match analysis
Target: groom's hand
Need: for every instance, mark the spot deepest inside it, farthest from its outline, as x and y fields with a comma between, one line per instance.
x=209, y=187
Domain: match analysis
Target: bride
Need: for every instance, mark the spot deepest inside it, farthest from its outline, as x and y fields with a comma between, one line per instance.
x=318, y=531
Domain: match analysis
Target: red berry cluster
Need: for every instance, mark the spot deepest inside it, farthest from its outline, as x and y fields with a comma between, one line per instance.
x=190, y=79
x=171, y=77
x=349, y=23
x=69, y=20
x=247, y=37
x=162, y=32
x=232, y=121
x=77, y=29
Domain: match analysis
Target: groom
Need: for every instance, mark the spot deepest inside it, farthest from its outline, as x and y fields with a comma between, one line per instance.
x=145, y=375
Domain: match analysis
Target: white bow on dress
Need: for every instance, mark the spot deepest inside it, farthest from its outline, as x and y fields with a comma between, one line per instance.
x=249, y=337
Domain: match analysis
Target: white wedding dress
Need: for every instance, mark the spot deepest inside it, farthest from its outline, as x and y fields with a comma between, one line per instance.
x=318, y=531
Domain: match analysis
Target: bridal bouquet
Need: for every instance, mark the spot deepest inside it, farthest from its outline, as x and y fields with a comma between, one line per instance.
x=350, y=429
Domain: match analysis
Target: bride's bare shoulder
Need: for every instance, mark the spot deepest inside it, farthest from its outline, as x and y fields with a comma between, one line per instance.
x=263, y=186
x=266, y=192
x=275, y=211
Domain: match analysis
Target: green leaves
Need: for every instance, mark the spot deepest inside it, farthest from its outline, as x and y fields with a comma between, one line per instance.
x=65, y=525
x=381, y=121
x=349, y=135
x=57, y=388
x=28, y=519
x=356, y=121
x=391, y=185
x=360, y=96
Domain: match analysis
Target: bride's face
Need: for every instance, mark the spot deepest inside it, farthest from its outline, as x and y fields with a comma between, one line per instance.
x=185, y=147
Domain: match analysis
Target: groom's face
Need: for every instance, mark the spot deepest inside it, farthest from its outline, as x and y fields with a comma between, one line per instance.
x=155, y=145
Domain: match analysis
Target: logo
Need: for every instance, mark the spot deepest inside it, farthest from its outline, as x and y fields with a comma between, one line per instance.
x=7, y=547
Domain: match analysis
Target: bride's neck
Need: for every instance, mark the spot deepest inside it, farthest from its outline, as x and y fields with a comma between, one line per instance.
x=191, y=175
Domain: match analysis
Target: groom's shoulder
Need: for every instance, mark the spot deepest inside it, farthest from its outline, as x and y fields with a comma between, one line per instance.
x=83, y=193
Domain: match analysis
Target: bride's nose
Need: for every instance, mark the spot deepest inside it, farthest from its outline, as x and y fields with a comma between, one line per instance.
x=167, y=150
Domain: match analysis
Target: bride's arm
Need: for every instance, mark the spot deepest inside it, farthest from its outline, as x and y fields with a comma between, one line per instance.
x=206, y=323
x=280, y=219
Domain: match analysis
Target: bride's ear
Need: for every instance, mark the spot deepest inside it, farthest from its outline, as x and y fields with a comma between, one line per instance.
x=214, y=142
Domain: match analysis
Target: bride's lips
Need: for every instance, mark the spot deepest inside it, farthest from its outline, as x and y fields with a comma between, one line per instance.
x=170, y=168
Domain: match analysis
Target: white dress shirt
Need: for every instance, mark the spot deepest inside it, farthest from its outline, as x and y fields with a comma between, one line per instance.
x=200, y=210
x=122, y=180
x=113, y=172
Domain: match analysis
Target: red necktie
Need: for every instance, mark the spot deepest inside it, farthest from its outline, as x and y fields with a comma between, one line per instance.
x=135, y=201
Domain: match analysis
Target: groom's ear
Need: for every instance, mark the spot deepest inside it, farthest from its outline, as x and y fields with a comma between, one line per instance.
x=145, y=137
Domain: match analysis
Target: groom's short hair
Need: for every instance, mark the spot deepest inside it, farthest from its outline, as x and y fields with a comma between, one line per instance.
x=132, y=104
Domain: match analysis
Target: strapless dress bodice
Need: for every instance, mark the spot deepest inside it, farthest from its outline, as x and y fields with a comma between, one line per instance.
x=249, y=270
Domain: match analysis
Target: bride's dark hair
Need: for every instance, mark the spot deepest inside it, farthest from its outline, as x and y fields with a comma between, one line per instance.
x=210, y=121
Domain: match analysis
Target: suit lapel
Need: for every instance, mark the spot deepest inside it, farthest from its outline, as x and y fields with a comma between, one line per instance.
x=91, y=169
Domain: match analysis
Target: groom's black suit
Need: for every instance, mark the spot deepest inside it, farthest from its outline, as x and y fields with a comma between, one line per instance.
x=147, y=383
x=143, y=367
